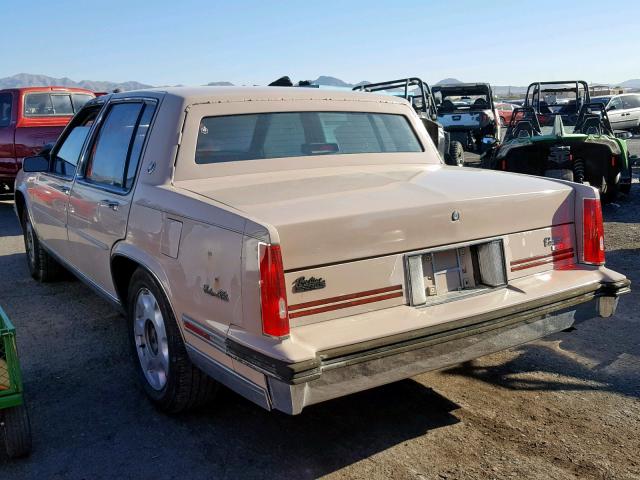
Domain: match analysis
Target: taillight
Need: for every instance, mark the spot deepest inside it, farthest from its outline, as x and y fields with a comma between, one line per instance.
x=273, y=297
x=593, y=232
x=613, y=161
x=503, y=164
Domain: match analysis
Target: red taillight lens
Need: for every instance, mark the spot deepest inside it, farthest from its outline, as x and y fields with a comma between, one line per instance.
x=273, y=297
x=593, y=232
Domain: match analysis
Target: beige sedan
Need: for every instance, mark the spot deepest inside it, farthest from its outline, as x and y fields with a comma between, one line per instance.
x=298, y=245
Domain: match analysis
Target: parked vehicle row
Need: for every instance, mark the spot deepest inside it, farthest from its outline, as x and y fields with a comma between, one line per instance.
x=569, y=138
x=31, y=118
x=298, y=245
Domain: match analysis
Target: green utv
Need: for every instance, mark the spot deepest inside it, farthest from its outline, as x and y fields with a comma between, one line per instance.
x=560, y=133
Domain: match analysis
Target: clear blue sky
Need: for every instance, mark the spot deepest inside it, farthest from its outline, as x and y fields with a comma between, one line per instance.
x=194, y=42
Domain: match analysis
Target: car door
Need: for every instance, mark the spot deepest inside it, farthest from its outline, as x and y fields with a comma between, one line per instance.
x=616, y=114
x=100, y=199
x=49, y=191
x=631, y=108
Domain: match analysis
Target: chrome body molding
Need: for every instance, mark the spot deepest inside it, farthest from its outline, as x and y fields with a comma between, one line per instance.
x=229, y=378
x=342, y=378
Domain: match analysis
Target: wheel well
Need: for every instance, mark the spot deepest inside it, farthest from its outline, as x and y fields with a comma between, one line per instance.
x=122, y=269
x=20, y=204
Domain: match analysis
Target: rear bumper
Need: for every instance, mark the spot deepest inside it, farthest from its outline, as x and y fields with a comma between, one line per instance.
x=291, y=387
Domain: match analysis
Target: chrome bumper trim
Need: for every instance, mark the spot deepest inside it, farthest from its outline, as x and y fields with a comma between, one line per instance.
x=348, y=378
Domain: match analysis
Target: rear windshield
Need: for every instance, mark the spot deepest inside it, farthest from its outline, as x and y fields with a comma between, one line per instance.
x=296, y=134
x=43, y=104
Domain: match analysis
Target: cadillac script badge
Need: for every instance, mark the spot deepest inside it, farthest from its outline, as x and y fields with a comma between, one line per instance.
x=302, y=284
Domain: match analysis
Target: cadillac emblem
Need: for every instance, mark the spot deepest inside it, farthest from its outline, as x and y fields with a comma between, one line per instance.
x=303, y=284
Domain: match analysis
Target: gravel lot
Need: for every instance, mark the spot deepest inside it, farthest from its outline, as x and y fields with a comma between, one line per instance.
x=566, y=407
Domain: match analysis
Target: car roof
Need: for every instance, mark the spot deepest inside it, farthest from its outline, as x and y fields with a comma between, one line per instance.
x=209, y=94
x=50, y=88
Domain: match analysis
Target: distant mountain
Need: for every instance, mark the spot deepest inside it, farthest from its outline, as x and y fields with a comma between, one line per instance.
x=449, y=81
x=336, y=82
x=219, y=84
x=32, y=80
x=634, y=83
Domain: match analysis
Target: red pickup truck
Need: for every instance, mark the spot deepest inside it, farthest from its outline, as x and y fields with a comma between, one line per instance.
x=31, y=118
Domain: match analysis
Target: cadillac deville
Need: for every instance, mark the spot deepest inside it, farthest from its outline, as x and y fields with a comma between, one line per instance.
x=298, y=245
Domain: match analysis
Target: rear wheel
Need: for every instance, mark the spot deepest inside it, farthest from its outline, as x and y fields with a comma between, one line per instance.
x=165, y=371
x=17, y=431
x=456, y=154
x=42, y=266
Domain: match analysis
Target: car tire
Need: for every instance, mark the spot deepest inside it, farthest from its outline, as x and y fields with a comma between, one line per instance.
x=42, y=266
x=456, y=154
x=164, y=369
x=562, y=174
x=17, y=431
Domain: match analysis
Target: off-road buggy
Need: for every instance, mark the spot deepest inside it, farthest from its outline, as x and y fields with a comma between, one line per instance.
x=421, y=97
x=560, y=133
x=467, y=111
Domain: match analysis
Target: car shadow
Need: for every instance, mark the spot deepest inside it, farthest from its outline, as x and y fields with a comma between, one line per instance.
x=9, y=225
x=599, y=354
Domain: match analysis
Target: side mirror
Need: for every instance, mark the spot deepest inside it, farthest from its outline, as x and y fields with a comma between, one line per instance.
x=624, y=135
x=35, y=164
x=612, y=107
x=489, y=141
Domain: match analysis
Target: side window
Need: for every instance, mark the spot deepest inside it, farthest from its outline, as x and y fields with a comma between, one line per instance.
x=62, y=104
x=37, y=104
x=79, y=99
x=66, y=156
x=138, y=144
x=116, y=152
x=615, y=104
x=5, y=109
x=631, y=101
x=66, y=159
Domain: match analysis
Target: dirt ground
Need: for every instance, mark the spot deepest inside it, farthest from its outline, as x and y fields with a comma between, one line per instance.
x=562, y=408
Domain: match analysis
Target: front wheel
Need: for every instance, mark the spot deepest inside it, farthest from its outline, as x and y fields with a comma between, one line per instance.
x=17, y=431
x=165, y=371
x=42, y=266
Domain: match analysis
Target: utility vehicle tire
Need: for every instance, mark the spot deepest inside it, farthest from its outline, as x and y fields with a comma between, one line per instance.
x=164, y=369
x=456, y=154
x=562, y=174
x=610, y=188
x=42, y=266
x=17, y=431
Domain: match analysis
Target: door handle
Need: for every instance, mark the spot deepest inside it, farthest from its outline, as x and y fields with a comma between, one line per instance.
x=64, y=189
x=111, y=204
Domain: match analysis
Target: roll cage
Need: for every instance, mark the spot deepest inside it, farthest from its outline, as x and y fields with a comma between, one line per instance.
x=539, y=95
x=412, y=89
x=592, y=119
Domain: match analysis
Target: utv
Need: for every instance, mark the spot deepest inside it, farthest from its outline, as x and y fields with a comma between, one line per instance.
x=467, y=111
x=560, y=133
x=420, y=96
